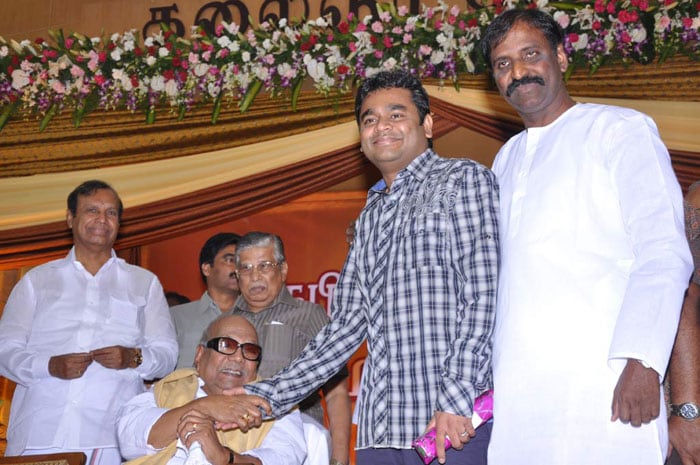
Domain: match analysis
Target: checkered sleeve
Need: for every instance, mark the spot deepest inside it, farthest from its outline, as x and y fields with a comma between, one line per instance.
x=474, y=243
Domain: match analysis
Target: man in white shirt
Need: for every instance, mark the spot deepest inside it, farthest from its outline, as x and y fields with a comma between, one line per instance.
x=177, y=422
x=79, y=337
x=594, y=265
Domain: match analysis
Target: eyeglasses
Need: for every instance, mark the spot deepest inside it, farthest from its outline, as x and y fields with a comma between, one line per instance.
x=262, y=267
x=229, y=346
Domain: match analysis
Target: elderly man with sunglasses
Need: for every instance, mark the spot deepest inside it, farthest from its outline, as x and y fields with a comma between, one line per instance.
x=180, y=420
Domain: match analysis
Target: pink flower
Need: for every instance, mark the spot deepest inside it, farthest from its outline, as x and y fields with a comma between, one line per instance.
x=77, y=71
x=377, y=27
x=407, y=38
x=99, y=79
x=403, y=10
x=219, y=29
x=625, y=37
x=58, y=87
x=378, y=54
x=352, y=46
x=687, y=22
x=361, y=27
x=387, y=42
x=69, y=42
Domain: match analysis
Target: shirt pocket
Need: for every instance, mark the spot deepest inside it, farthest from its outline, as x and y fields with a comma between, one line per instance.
x=125, y=320
x=423, y=241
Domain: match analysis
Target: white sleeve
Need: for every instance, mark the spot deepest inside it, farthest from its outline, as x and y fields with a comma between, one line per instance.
x=134, y=423
x=284, y=444
x=160, y=344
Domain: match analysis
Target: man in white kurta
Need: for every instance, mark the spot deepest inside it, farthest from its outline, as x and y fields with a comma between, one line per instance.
x=79, y=336
x=594, y=266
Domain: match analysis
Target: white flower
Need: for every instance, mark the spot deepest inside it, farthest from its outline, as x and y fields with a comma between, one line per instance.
x=4, y=51
x=245, y=56
x=282, y=23
x=213, y=90
x=158, y=83
x=151, y=60
x=581, y=43
x=171, y=88
x=317, y=70
x=267, y=44
x=639, y=35
x=163, y=52
x=223, y=41
x=234, y=46
x=200, y=69
x=116, y=54
x=129, y=45
x=321, y=22
x=148, y=42
x=19, y=79
x=389, y=64
x=437, y=57
x=95, y=40
x=115, y=37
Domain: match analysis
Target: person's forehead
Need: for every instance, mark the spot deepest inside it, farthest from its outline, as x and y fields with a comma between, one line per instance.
x=389, y=98
x=267, y=251
x=99, y=196
x=229, y=249
x=234, y=328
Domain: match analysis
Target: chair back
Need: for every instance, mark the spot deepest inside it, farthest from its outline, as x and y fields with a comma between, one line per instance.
x=64, y=458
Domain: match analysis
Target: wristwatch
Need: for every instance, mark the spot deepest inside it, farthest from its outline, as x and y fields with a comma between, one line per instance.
x=138, y=358
x=686, y=410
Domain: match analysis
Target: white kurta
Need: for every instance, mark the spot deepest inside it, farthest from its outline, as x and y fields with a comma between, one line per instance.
x=594, y=267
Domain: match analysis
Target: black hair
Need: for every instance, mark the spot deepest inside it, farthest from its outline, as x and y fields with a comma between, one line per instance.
x=213, y=246
x=397, y=79
x=501, y=24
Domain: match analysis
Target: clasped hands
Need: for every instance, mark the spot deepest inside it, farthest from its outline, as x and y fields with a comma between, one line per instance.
x=73, y=366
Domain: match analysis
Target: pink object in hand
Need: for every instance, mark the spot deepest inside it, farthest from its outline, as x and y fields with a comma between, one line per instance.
x=483, y=411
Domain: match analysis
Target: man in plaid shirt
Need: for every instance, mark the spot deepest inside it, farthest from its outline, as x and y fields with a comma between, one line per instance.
x=419, y=284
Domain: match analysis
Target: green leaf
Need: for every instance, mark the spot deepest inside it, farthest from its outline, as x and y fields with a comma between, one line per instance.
x=253, y=91
x=8, y=112
x=217, y=109
x=181, y=112
x=88, y=104
x=296, y=90
x=47, y=117
x=151, y=114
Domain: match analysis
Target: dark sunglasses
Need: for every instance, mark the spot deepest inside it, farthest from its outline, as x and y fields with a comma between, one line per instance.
x=229, y=346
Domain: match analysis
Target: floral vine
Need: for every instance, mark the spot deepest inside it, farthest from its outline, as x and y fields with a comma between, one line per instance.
x=74, y=73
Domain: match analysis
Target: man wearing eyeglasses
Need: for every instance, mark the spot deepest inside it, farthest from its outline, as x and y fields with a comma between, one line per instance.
x=285, y=325
x=218, y=269
x=180, y=418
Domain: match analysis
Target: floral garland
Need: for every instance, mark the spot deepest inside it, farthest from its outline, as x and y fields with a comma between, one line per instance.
x=80, y=74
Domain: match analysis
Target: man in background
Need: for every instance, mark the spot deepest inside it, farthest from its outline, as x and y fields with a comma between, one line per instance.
x=684, y=368
x=79, y=337
x=594, y=265
x=218, y=269
x=285, y=325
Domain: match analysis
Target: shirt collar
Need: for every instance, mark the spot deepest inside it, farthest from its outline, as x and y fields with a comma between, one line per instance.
x=418, y=168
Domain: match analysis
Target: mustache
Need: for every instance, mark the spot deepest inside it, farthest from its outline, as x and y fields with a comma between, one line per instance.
x=525, y=80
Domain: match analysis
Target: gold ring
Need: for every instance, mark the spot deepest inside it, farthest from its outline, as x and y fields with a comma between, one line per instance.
x=246, y=417
x=464, y=433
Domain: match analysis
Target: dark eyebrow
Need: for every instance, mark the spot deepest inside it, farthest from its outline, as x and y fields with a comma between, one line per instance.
x=392, y=107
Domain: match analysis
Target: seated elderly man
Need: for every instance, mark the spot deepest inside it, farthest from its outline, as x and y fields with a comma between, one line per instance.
x=190, y=406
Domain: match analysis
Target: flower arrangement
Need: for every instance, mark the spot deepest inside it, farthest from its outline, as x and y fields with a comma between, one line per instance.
x=79, y=74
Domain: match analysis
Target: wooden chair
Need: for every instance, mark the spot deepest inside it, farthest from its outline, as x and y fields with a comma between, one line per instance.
x=67, y=458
